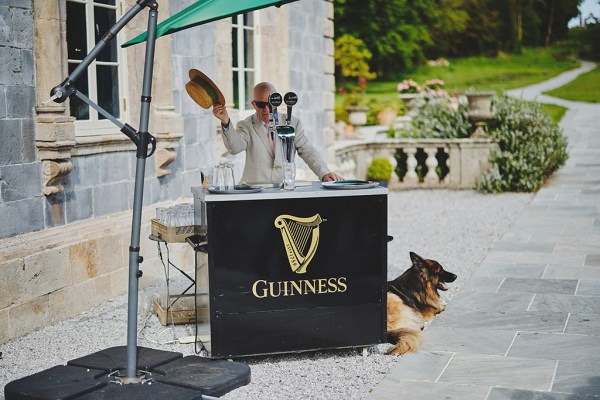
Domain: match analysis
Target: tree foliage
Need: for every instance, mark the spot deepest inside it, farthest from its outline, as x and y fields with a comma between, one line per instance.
x=401, y=33
x=352, y=58
x=395, y=31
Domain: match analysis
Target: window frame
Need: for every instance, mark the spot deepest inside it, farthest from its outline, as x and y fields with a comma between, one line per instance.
x=95, y=126
x=237, y=26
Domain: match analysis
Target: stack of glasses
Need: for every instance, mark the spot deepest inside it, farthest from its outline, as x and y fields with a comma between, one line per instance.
x=176, y=216
x=222, y=177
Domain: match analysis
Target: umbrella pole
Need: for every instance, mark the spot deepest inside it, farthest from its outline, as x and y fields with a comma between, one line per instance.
x=142, y=140
x=142, y=154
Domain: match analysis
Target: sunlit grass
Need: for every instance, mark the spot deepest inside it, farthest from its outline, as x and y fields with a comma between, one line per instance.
x=585, y=88
x=481, y=73
x=554, y=112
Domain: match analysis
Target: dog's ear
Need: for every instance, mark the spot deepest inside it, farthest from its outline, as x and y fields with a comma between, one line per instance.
x=417, y=261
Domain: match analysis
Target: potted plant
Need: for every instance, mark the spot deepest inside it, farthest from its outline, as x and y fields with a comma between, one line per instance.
x=352, y=62
x=380, y=170
x=408, y=91
x=434, y=88
x=383, y=112
x=355, y=102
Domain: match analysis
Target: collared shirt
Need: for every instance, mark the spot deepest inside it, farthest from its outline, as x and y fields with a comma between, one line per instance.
x=270, y=137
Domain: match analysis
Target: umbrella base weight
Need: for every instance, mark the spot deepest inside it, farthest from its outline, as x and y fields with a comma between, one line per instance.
x=168, y=375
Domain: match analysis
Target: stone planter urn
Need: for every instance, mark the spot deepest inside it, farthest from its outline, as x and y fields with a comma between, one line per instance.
x=409, y=100
x=480, y=111
x=387, y=116
x=357, y=115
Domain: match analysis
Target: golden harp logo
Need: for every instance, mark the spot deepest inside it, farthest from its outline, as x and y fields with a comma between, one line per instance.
x=300, y=239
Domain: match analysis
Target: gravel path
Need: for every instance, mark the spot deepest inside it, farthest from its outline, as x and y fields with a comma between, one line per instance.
x=456, y=228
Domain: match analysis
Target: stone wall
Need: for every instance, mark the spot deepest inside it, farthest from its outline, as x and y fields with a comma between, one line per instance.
x=312, y=68
x=49, y=276
x=21, y=202
x=193, y=48
x=64, y=243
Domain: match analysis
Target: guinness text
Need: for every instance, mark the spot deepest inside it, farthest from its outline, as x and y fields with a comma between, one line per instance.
x=262, y=289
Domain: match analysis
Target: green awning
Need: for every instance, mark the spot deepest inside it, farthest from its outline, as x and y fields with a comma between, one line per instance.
x=205, y=11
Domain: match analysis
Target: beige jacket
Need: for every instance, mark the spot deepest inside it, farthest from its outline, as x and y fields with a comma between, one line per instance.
x=261, y=164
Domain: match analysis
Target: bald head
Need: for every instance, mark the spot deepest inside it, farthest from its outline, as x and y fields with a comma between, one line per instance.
x=261, y=93
x=263, y=89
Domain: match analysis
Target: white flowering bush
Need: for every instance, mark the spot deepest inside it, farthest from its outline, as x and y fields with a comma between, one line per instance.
x=437, y=119
x=531, y=148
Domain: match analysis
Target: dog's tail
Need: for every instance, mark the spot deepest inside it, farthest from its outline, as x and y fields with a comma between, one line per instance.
x=405, y=340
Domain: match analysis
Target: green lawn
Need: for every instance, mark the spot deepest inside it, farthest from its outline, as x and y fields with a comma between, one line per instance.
x=481, y=73
x=585, y=88
x=554, y=112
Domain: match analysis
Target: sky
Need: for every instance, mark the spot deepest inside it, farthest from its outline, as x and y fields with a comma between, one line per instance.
x=587, y=7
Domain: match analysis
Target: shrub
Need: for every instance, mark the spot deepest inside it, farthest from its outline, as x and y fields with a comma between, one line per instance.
x=436, y=119
x=531, y=148
x=380, y=170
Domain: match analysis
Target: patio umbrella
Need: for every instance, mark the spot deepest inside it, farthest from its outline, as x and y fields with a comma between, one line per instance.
x=205, y=11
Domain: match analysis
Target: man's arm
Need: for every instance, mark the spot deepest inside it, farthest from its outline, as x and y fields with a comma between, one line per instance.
x=235, y=140
x=312, y=157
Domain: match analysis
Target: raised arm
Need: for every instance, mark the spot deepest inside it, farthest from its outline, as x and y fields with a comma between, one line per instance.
x=235, y=140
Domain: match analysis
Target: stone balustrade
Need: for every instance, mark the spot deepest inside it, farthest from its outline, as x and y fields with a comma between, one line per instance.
x=418, y=163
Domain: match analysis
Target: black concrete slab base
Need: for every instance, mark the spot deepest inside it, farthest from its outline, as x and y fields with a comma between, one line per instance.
x=171, y=376
x=212, y=377
x=60, y=382
x=115, y=358
x=148, y=391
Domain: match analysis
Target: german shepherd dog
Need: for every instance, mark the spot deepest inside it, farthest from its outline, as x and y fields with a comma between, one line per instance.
x=412, y=299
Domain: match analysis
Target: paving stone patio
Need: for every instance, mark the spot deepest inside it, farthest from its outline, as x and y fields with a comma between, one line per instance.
x=526, y=326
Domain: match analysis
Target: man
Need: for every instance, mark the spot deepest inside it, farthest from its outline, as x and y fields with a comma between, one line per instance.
x=264, y=161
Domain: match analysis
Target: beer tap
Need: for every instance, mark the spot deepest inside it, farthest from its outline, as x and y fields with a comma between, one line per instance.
x=274, y=102
x=290, y=100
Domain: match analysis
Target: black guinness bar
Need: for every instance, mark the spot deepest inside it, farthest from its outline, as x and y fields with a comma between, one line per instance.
x=295, y=270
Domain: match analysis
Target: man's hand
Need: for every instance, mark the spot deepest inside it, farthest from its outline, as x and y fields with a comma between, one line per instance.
x=220, y=112
x=332, y=176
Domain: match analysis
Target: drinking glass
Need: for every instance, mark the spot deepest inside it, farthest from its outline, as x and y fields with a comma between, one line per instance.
x=228, y=177
x=289, y=175
x=160, y=214
x=170, y=217
x=218, y=177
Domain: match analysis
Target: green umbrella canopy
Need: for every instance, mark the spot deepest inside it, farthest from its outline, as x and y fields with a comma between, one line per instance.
x=205, y=11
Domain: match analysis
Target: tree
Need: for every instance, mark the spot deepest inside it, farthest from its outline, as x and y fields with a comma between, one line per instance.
x=352, y=57
x=556, y=15
x=464, y=27
x=395, y=31
x=450, y=21
x=534, y=22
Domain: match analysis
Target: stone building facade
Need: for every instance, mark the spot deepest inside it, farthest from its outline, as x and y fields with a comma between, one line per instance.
x=66, y=188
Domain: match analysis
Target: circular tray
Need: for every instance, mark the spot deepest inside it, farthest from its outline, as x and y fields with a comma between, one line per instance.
x=349, y=184
x=239, y=189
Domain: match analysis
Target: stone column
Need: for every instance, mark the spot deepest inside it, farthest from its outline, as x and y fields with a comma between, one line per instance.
x=329, y=72
x=165, y=124
x=431, y=178
x=55, y=129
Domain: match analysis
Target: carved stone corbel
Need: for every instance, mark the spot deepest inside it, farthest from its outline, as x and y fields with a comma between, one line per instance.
x=52, y=171
x=164, y=157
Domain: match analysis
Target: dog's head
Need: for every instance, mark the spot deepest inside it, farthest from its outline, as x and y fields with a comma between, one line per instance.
x=432, y=272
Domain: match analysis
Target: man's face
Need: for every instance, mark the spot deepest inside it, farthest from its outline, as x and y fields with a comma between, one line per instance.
x=261, y=98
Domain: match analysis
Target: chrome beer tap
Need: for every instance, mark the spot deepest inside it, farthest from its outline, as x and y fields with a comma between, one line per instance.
x=274, y=102
x=287, y=136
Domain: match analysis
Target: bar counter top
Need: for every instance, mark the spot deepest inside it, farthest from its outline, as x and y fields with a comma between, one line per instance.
x=315, y=189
